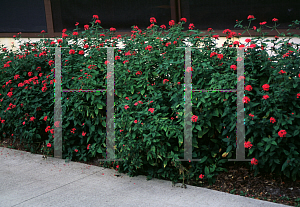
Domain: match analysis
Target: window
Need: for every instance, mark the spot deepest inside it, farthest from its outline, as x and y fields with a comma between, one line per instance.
x=119, y=14
x=22, y=16
x=221, y=15
x=31, y=17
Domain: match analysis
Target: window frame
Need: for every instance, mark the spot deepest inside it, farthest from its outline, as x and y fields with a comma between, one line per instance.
x=175, y=15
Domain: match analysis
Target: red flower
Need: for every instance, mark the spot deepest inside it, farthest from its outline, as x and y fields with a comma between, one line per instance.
x=86, y=27
x=75, y=33
x=76, y=23
x=72, y=52
x=191, y=26
x=254, y=161
x=266, y=87
x=56, y=124
x=163, y=26
x=220, y=56
x=165, y=80
x=81, y=52
x=152, y=19
x=98, y=21
x=172, y=22
x=246, y=99
x=201, y=176
x=250, y=17
x=151, y=110
x=274, y=20
x=64, y=35
x=76, y=150
x=216, y=37
x=112, y=29
x=266, y=96
x=247, y=40
x=194, y=118
x=248, y=145
x=213, y=54
x=95, y=17
x=282, y=133
x=272, y=120
x=233, y=67
x=183, y=19
x=48, y=145
x=249, y=88
x=262, y=23
x=43, y=31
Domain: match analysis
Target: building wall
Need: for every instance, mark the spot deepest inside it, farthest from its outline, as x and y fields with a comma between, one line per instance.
x=10, y=43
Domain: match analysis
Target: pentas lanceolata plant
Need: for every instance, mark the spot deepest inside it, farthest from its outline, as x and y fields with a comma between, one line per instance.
x=152, y=135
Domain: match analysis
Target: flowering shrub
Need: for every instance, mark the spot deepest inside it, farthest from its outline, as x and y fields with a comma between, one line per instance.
x=149, y=117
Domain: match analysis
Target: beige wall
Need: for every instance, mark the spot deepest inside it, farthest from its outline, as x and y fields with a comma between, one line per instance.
x=10, y=43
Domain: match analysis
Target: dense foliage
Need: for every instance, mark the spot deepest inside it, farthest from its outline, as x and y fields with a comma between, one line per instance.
x=149, y=106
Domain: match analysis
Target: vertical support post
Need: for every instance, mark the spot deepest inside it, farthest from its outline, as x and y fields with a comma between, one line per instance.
x=110, y=117
x=57, y=106
x=240, y=151
x=188, y=142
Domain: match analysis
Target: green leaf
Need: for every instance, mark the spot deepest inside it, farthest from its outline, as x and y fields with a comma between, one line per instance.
x=285, y=164
x=165, y=163
x=296, y=132
x=274, y=143
x=267, y=147
x=265, y=139
x=206, y=170
x=132, y=89
x=99, y=150
x=292, y=49
x=143, y=91
x=180, y=140
x=203, y=159
x=228, y=148
x=99, y=106
x=212, y=169
x=209, y=124
x=219, y=128
x=277, y=161
x=215, y=112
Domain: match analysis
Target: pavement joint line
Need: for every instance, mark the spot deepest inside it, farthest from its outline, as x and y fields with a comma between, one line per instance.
x=55, y=189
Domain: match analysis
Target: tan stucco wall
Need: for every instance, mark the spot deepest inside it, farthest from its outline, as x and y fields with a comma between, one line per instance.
x=11, y=43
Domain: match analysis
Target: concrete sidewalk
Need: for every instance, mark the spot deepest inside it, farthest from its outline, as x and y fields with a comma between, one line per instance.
x=28, y=180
